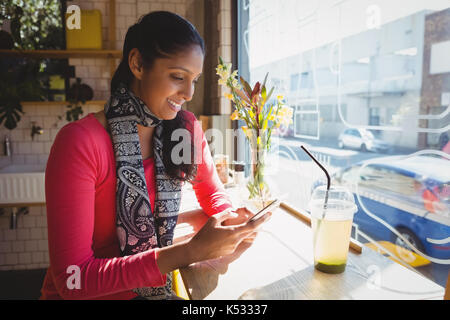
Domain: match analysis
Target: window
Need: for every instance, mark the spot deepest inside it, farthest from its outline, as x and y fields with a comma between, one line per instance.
x=326, y=113
x=355, y=133
x=294, y=82
x=304, y=82
x=378, y=79
x=374, y=116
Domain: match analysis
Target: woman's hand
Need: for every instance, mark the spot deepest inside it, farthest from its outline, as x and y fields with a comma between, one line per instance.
x=215, y=239
x=243, y=214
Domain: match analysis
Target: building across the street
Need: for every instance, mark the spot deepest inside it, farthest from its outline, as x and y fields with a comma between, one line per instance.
x=393, y=80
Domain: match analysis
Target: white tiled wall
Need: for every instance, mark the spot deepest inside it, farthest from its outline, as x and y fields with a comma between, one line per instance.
x=218, y=38
x=96, y=72
x=26, y=247
x=224, y=49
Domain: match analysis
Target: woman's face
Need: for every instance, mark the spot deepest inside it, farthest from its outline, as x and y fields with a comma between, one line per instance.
x=170, y=82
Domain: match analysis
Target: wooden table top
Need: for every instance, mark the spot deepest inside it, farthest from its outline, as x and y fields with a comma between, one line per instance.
x=279, y=265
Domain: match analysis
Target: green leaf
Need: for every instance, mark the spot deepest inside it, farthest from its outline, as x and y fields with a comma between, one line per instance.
x=10, y=113
x=265, y=122
x=269, y=113
x=246, y=86
x=265, y=79
x=248, y=119
x=270, y=93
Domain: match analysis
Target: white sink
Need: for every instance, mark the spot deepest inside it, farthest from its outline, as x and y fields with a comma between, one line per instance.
x=22, y=184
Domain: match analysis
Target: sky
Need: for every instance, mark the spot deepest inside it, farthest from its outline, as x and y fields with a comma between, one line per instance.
x=283, y=28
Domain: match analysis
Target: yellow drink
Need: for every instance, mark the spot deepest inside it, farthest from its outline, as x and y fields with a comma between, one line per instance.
x=331, y=240
x=331, y=220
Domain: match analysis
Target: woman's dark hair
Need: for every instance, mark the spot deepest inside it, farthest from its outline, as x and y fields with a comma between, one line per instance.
x=161, y=34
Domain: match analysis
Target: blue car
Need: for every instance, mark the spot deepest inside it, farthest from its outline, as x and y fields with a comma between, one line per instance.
x=409, y=194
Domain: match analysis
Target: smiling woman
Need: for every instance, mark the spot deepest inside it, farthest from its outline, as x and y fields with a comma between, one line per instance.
x=166, y=85
x=113, y=190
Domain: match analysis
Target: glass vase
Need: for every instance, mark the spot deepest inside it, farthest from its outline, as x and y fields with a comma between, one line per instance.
x=259, y=193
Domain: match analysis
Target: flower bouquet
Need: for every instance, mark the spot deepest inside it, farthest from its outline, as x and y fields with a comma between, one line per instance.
x=261, y=116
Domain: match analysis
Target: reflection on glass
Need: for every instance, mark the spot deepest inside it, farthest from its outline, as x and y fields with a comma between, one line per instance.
x=368, y=91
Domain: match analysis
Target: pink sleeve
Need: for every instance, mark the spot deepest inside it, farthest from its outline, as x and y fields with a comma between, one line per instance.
x=208, y=188
x=70, y=187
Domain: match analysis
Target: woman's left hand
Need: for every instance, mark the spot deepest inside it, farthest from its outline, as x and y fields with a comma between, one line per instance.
x=242, y=215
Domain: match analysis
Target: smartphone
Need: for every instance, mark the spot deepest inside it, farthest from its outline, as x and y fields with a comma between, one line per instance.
x=274, y=204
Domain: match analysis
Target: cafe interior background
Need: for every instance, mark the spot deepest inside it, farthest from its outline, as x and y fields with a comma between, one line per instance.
x=368, y=83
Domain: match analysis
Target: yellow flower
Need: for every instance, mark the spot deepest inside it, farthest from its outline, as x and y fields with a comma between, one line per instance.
x=284, y=116
x=247, y=131
x=236, y=84
x=280, y=98
x=223, y=73
x=228, y=95
x=234, y=115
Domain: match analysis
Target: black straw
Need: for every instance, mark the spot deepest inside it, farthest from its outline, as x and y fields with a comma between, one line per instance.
x=325, y=204
x=321, y=167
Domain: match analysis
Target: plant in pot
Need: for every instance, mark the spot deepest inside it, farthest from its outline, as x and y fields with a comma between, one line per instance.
x=26, y=25
x=77, y=96
x=19, y=81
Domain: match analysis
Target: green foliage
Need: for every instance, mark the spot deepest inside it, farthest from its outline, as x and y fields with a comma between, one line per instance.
x=77, y=96
x=35, y=24
x=246, y=86
x=74, y=112
x=18, y=82
x=261, y=116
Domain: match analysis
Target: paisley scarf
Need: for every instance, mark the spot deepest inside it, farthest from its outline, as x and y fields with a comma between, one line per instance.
x=139, y=226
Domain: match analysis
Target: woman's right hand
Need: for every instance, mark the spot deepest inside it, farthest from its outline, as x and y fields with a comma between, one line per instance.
x=215, y=240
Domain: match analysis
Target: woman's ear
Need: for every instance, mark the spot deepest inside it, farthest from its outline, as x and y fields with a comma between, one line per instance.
x=135, y=63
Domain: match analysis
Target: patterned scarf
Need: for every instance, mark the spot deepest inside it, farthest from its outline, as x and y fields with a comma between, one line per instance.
x=139, y=229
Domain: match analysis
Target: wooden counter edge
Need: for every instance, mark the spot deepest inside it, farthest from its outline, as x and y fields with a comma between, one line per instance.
x=447, y=288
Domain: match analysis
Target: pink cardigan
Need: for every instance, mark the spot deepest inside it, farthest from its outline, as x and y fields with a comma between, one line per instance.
x=80, y=185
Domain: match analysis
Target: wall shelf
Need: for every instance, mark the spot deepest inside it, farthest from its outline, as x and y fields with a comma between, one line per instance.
x=62, y=54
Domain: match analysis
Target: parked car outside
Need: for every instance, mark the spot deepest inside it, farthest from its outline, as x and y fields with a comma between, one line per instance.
x=362, y=139
x=412, y=195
